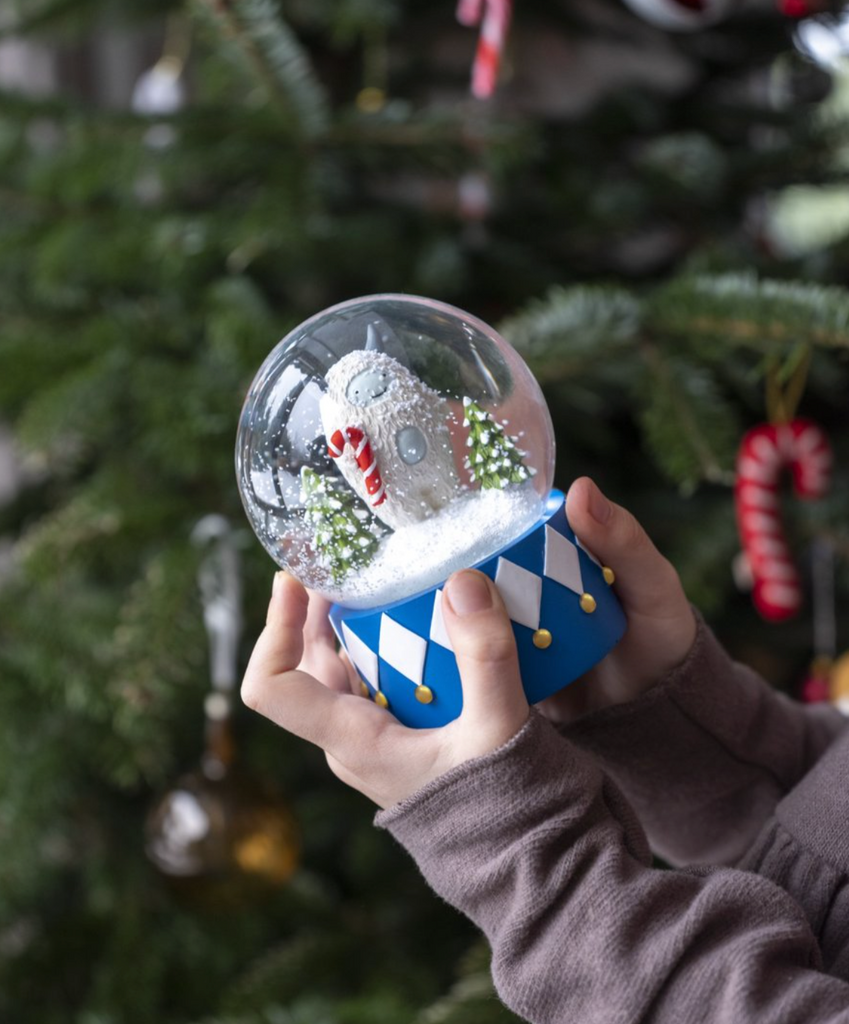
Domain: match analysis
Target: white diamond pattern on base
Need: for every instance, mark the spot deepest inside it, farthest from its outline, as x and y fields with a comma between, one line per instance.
x=562, y=563
x=363, y=657
x=438, y=632
x=587, y=551
x=521, y=591
x=403, y=649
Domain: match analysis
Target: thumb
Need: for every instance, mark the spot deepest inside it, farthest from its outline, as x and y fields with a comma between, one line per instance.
x=646, y=582
x=485, y=648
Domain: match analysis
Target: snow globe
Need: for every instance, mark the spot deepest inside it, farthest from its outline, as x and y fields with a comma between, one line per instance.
x=391, y=440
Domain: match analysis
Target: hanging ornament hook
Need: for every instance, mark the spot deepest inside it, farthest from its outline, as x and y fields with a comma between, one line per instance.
x=220, y=582
x=785, y=384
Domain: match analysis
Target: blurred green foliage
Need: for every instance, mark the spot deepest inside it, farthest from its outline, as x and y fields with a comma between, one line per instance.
x=145, y=274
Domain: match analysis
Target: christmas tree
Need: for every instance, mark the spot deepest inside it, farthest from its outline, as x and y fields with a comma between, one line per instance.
x=493, y=458
x=346, y=534
x=654, y=220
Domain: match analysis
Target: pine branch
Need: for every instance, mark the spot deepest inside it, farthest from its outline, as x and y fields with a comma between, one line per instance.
x=45, y=16
x=149, y=683
x=67, y=533
x=65, y=417
x=689, y=427
x=274, y=56
x=571, y=328
x=703, y=556
x=472, y=999
x=739, y=310
x=277, y=976
x=427, y=130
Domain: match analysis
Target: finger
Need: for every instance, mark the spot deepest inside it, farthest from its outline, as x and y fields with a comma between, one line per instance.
x=320, y=657
x=485, y=648
x=645, y=581
x=281, y=644
x=355, y=684
x=317, y=628
x=290, y=697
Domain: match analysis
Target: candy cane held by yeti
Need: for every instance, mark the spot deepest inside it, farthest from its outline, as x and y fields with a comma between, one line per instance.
x=364, y=459
x=767, y=450
x=493, y=16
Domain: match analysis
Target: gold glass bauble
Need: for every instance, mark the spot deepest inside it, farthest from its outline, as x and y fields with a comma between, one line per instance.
x=218, y=832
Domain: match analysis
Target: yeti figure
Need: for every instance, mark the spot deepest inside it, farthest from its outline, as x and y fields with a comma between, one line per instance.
x=387, y=430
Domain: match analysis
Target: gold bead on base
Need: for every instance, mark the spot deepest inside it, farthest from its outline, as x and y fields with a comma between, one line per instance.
x=542, y=639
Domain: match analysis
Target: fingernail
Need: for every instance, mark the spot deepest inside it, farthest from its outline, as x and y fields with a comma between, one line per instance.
x=468, y=592
x=275, y=590
x=599, y=507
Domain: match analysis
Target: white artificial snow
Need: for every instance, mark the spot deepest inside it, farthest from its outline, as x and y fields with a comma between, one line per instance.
x=472, y=528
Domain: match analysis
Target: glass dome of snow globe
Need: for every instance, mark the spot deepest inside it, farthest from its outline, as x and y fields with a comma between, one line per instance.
x=389, y=441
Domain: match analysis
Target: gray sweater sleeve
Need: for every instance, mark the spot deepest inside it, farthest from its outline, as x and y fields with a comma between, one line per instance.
x=537, y=846
x=705, y=756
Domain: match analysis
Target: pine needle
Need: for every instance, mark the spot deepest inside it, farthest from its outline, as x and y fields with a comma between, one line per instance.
x=689, y=427
x=571, y=328
x=273, y=55
x=744, y=311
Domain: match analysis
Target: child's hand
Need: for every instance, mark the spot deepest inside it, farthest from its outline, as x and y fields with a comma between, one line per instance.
x=298, y=680
x=366, y=747
x=661, y=624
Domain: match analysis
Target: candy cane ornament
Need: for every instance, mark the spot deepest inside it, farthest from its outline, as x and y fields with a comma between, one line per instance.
x=493, y=16
x=765, y=453
x=364, y=458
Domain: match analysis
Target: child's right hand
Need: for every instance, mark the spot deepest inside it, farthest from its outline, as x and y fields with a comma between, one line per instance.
x=661, y=623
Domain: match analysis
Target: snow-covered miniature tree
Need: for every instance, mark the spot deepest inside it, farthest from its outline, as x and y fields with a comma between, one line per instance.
x=345, y=533
x=493, y=457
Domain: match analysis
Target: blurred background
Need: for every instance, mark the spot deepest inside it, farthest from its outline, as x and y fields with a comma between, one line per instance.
x=652, y=207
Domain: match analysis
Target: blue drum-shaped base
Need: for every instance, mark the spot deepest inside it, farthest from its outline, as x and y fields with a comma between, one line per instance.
x=565, y=618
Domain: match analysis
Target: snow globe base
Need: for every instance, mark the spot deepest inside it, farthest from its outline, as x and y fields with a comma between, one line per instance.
x=564, y=614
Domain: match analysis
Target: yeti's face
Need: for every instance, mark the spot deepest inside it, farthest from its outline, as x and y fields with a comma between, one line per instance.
x=368, y=386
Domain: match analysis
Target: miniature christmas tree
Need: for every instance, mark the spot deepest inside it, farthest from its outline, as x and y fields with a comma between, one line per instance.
x=345, y=532
x=493, y=457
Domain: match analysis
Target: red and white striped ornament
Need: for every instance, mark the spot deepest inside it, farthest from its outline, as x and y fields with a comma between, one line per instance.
x=364, y=458
x=493, y=16
x=802, y=448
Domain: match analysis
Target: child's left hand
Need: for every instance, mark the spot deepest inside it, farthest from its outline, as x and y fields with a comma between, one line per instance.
x=307, y=689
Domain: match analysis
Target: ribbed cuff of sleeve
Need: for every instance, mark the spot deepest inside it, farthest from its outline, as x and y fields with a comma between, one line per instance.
x=466, y=828
x=717, y=741
x=816, y=812
x=685, y=677
x=438, y=790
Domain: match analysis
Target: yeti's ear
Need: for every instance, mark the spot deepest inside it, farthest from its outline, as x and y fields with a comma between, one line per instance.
x=372, y=341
